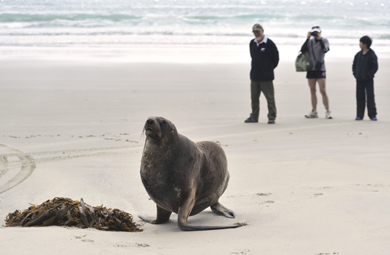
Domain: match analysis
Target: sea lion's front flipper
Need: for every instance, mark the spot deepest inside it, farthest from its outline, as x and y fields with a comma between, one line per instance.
x=162, y=216
x=185, y=210
x=222, y=210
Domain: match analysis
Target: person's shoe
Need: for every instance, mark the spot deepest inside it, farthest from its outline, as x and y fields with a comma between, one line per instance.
x=358, y=118
x=374, y=119
x=271, y=121
x=250, y=120
x=328, y=115
x=312, y=114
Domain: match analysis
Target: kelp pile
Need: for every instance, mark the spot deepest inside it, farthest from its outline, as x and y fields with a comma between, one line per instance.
x=67, y=212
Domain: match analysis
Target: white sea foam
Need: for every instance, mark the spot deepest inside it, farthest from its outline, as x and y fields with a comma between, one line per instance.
x=61, y=23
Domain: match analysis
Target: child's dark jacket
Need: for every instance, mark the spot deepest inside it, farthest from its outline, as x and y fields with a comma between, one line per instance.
x=365, y=66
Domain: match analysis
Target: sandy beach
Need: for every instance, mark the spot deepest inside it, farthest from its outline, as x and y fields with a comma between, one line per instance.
x=71, y=126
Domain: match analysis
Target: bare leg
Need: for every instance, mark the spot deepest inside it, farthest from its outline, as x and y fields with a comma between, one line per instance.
x=312, y=85
x=325, y=99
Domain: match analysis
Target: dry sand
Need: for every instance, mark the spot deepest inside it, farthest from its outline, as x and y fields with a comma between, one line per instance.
x=304, y=186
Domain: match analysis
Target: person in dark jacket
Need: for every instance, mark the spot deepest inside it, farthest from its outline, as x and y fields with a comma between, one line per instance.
x=265, y=58
x=364, y=67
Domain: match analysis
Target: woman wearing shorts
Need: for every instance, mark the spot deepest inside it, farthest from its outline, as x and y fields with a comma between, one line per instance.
x=317, y=46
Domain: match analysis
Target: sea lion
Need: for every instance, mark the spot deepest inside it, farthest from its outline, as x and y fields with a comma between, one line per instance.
x=181, y=176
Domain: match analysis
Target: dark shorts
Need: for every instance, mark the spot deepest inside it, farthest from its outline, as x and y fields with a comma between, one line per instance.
x=316, y=75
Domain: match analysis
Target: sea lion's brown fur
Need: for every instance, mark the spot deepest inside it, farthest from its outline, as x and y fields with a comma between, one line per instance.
x=181, y=176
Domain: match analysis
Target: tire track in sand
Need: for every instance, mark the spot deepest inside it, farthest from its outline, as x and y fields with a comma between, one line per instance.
x=11, y=158
x=27, y=166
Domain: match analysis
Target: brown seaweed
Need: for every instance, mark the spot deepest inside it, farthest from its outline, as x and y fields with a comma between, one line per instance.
x=67, y=212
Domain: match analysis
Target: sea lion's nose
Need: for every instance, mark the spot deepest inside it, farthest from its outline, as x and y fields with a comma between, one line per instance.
x=150, y=121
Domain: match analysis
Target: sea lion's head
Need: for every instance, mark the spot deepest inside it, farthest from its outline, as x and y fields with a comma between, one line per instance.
x=159, y=129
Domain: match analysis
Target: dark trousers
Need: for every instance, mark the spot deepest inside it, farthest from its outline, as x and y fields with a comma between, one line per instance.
x=267, y=87
x=365, y=93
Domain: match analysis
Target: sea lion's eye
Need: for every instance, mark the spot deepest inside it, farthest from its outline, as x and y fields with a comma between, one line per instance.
x=164, y=122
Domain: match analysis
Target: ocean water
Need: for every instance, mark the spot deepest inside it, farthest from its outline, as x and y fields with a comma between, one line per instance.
x=183, y=22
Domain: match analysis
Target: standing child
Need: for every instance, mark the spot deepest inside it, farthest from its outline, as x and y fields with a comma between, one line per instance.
x=364, y=68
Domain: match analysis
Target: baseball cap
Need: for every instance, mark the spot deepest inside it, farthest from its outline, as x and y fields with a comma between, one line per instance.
x=257, y=27
x=316, y=28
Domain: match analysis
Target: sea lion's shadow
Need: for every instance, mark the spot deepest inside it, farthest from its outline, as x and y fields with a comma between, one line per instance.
x=205, y=218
